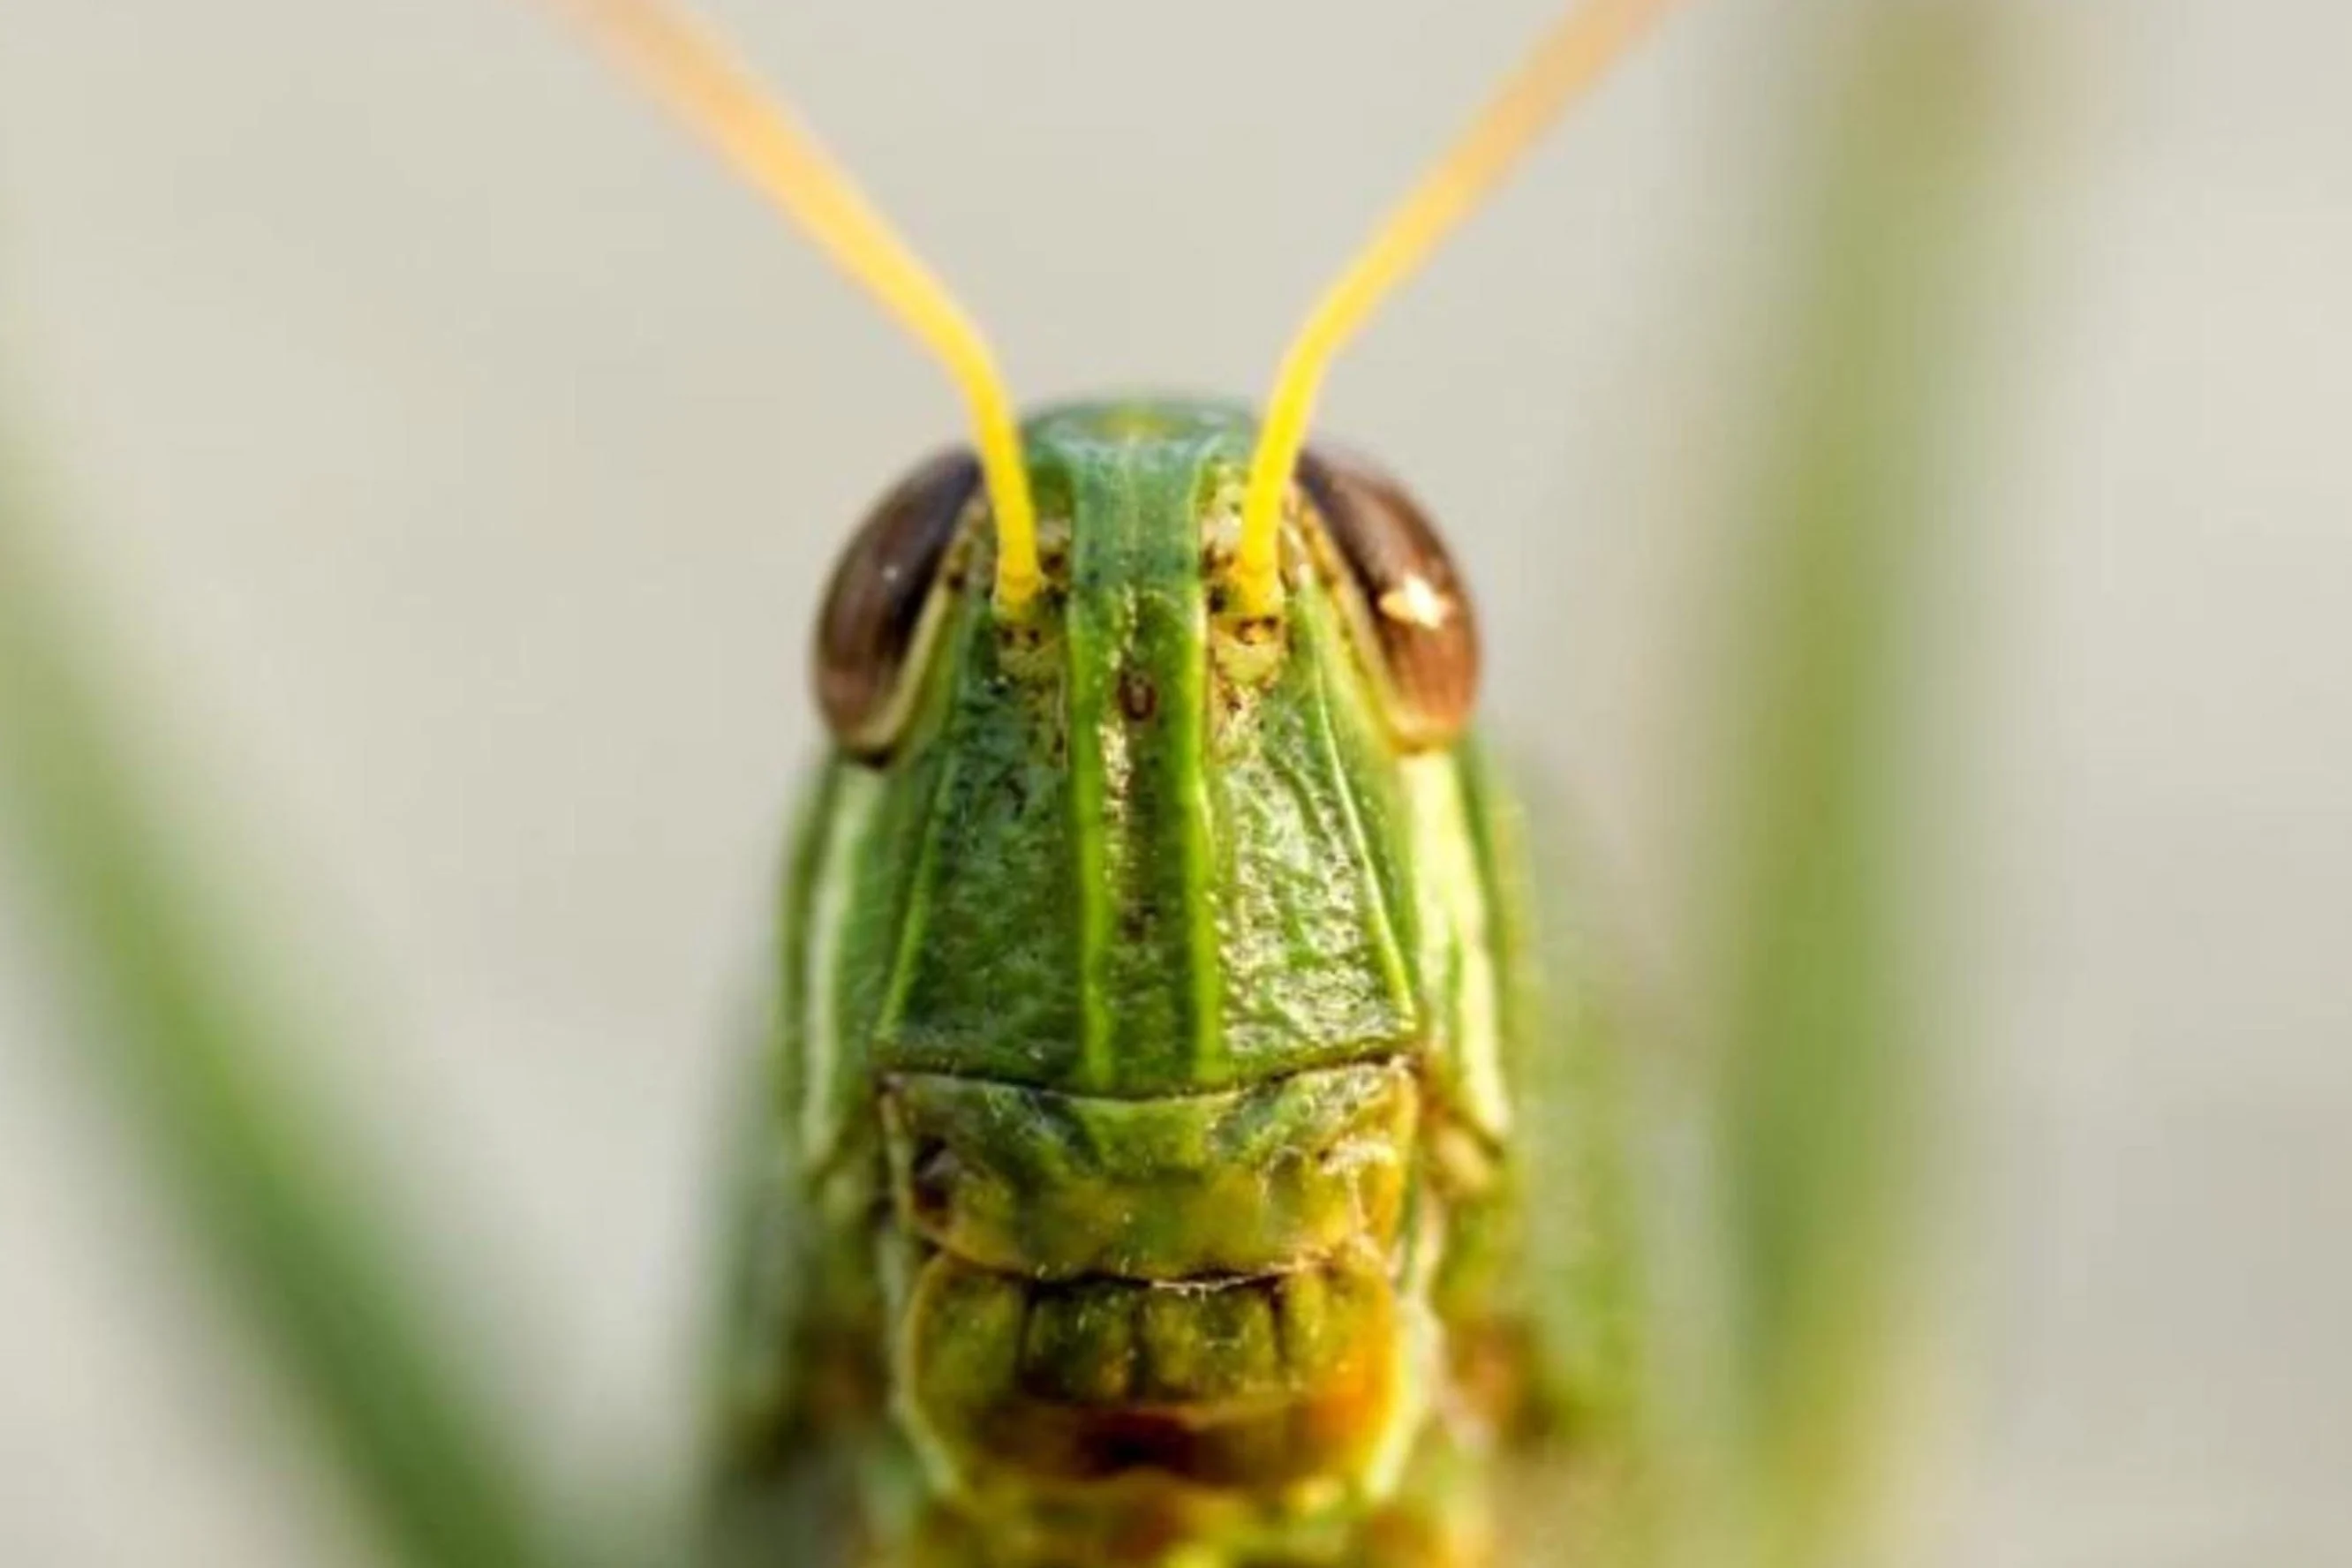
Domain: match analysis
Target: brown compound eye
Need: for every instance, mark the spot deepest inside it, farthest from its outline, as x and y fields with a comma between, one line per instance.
x=1408, y=608
x=871, y=635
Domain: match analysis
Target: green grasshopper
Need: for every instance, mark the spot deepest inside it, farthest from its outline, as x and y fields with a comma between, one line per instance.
x=1142, y=1186
x=1165, y=1156
x=1140, y=1179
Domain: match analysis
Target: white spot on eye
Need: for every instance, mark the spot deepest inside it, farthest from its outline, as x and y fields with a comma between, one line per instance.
x=1417, y=603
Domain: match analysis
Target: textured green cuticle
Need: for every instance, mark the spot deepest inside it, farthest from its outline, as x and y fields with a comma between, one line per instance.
x=1051, y=1185
x=1091, y=899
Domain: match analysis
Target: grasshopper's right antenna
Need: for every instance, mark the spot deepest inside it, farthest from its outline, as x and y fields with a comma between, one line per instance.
x=1569, y=60
x=689, y=70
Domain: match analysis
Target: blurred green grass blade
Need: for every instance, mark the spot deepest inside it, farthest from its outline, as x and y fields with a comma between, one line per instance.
x=178, y=1030
x=1821, y=1115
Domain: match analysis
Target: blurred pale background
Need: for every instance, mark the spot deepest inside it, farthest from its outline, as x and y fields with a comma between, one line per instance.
x=459, y=455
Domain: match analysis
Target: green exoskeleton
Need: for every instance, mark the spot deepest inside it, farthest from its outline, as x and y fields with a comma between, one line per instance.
x=1141, y=1186
x=1145, y=1177
x=1165, y=1155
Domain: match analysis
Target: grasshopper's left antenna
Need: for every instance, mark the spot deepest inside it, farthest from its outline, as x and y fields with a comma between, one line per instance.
x=691, y=71
x=1569, y=60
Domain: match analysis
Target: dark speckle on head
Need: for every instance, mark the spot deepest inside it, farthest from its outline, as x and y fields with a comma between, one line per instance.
x=1139, y=699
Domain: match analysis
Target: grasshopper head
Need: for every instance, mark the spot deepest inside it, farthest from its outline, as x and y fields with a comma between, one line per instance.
x=1153, y=840
x=1131, y=928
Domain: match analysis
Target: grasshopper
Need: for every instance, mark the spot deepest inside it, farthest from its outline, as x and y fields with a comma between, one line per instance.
x=1142, y=1177
x=1166, y=1156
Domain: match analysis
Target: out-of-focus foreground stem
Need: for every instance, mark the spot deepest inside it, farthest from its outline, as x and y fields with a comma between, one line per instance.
x=175, y=1024
x=1824, y=1067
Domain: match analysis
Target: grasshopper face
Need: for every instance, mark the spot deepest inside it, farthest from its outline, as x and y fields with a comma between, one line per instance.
x=1156, y=842
x=1139, y=947
x=1149, y=846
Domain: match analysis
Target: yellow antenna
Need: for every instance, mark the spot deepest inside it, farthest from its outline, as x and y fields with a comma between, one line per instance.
x=1569, y=60
x=693, y=73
